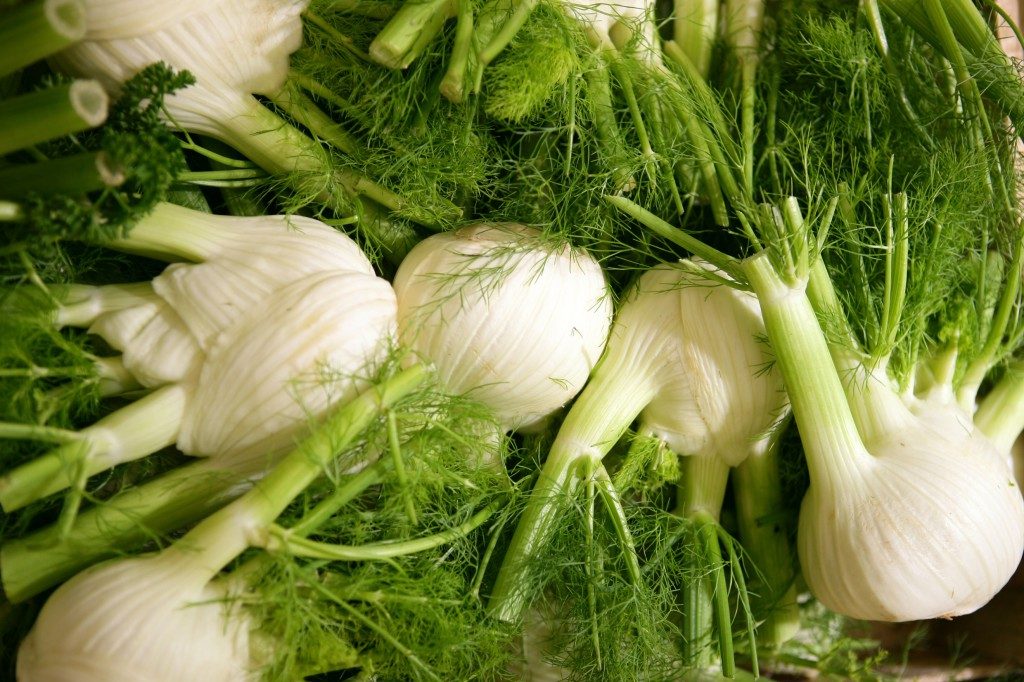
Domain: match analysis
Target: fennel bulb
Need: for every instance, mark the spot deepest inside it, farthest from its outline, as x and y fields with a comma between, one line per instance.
x=508, y=320
x=312, y=343
x=155, y=618
x=107, y=19
x=243, y=348
x=235, y=49
x=232, y=47
x=168, y=616
x=907, y=516
x=666, y=363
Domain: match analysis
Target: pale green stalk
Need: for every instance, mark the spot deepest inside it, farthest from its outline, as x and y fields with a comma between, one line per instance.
x=221, y=537
x=409, y=32
x=453, y=85
x=759, y=508
x=695, y=29
x=1000, y=414
x=744, y=22
x=61, y=110
x=282, y=149
x=307, y=113
x=663, y=229
x=134, y=431
x=36, y=562
x=34, y=30
x=283, y=540
x=76, y=174
x=699, y=500
x=599, y=417
x=832, y=443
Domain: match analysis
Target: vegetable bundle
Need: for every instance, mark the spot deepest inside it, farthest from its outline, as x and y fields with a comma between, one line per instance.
x=530, y=339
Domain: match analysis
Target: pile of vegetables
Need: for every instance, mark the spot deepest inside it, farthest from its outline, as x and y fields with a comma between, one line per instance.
x=531, y=339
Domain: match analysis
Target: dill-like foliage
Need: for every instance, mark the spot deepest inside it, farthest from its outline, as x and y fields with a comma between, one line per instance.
x=415, y=616
x=542, y=57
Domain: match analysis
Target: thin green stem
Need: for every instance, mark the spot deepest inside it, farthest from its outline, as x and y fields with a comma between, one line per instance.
x=591, y=563
x=629, y=92
x=228, y=161
x=342, y=495
x=43, y=115
x=743, y=596
x=320, y=90
x=338, y=37
x=485, y=560
x=613, y=504
x=34, y=30
x=601, y=414
x=715, y=172
x=897, y=265
x=199, y=177
x=282, y=540
x=307, y=167
x=874, y=17
x=606, y=129
x=720, y=596
x=720, y=260
x=521, y=10
x=38, y=432
x=1005, y=309
x=307, y=113
x=398, y=462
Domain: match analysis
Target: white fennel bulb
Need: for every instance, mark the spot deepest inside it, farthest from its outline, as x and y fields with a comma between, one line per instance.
x=507, y=319
x=245, y=349
x=166, y=330
x=156, y=345
x=155, y=618
x=926, y=520
x=908, y=516
x=234, y=48
x=309, y=343
x=237, y=46
x=106, y=19
x=687, y=359
x=703, y=397
x=173, y=615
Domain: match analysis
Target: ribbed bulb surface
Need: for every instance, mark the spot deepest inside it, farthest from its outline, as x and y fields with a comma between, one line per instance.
x=507, y=319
